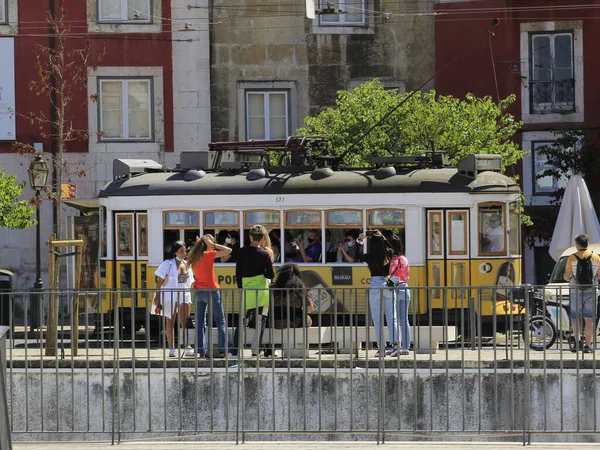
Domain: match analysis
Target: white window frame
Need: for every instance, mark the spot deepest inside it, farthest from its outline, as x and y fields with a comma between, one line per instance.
x=124, y=13
x=532, y=197
x=290, y=87
x=343, y=15
x=552, y=38
x=9, y=19
x=526, y=29
x=150, y=25
x=125, y=108
x=266, y=95
x=342, y=27
x=556, y=183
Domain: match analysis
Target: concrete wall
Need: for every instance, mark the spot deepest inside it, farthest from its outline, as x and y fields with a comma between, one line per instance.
x=157, y=402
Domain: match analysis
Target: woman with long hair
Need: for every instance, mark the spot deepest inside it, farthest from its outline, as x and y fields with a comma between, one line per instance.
x=381, y=297
x=399, y=275
x=173, y=280
x=202, y=259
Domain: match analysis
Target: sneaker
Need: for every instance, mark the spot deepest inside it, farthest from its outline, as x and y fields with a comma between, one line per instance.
x=172, y=353
x=271, y=354
x=575, y=346
x=399, y=352
x=189, y=351
x=231, y=356
x=587, y=349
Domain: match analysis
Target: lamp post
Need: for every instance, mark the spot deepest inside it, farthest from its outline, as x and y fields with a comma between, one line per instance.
x=38, y=176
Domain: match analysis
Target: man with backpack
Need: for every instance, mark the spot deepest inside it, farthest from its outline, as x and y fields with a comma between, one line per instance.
x=582, y=272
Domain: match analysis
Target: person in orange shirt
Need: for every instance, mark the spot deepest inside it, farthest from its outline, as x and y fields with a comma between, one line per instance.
x=202, y=259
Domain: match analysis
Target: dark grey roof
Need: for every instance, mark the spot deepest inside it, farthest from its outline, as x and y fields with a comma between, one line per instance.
x=424, y=180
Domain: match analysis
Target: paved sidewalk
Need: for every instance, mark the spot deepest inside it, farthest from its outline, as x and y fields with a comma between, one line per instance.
x=290, y=445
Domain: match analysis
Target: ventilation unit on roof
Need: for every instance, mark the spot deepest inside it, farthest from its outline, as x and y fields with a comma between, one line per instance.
x=472, y=165
x=200, y=160
x=126, y=168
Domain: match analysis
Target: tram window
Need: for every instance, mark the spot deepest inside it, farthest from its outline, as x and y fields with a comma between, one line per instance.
x=181, y=219
x=142, y=230
x=221, y=219
x=492, y=234
x=228, y=237
x=125, y=234
x=515, y=230
x=169, y=238
x=303, y=245
x=343, y=246
x=304, y=228
x=343, y=228
x=288, y=245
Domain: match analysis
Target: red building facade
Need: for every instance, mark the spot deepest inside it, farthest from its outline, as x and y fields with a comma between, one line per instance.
x=540, y=51
x=147, y=94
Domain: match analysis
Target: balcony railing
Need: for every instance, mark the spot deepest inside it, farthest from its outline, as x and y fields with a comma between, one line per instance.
x=547, y=97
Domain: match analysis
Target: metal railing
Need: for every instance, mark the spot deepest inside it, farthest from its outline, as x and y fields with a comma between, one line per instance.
x=552, y=96
x=466, y=374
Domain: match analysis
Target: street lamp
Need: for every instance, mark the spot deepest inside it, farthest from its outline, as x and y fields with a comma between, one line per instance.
x=38, y=176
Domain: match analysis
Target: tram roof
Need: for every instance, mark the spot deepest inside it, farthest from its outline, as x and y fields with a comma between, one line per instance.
x=339, y=182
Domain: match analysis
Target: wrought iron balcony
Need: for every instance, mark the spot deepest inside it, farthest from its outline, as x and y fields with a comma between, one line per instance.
x=548, y=97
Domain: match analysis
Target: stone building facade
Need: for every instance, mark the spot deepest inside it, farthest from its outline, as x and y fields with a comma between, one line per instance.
x=271, y=66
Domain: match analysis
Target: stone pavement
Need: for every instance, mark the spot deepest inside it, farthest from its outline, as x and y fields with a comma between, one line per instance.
x=291, y=445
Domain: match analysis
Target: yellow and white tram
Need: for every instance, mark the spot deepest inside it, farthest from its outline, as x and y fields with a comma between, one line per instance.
x=442, y=213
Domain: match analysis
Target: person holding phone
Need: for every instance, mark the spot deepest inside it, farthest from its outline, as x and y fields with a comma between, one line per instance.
x=382, y=299
x=312, y=253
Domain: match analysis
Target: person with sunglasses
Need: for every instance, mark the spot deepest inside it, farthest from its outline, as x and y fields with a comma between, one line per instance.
x=349, y=250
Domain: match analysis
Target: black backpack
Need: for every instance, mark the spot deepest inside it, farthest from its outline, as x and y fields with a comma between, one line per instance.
x=584, y=275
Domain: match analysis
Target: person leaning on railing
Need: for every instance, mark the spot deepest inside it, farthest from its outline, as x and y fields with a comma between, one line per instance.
x=290, y=296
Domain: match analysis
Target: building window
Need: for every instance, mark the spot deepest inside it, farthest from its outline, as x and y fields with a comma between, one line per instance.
x=547, y=184
x=124, y=11
x=267, y=114
x=3, y=18
x=342, y=13
x=125, y=109
x=552, y=83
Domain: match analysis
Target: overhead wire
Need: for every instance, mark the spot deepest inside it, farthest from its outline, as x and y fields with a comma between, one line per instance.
x=401, y=13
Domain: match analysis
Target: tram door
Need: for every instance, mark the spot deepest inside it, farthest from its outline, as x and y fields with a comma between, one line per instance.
x=448, y=258
x=131, y=231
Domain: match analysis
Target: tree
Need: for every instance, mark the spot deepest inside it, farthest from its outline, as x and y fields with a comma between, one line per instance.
x=62, y=70
x=572, y=152
x=13, y=213
x=373, y=121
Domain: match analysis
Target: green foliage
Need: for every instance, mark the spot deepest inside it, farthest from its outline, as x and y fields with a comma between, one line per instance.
x=13, y=213
x=571, y=153
x=423, y=123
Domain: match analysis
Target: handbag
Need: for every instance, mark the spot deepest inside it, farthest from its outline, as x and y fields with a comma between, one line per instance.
x=190, y=324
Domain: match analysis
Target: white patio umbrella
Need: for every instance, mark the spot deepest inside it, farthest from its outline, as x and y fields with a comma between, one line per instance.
x=576, y=216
